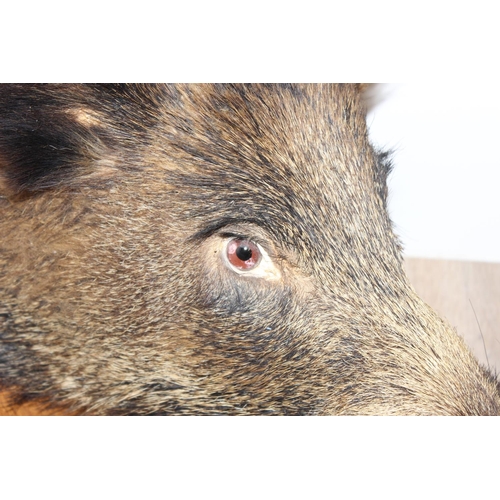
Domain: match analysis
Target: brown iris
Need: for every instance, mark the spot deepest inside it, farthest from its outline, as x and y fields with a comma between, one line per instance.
x=243, y=254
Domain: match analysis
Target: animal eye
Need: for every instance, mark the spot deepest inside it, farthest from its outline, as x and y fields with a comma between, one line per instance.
x=248, y=259
x=243, y=254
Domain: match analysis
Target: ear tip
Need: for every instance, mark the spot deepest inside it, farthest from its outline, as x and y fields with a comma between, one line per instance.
x=42, y=144
x=32, y=160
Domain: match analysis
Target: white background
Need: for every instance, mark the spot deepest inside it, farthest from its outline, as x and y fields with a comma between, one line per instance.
x=444, y=190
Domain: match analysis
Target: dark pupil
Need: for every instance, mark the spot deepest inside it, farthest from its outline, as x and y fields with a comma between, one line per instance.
x=243, y=253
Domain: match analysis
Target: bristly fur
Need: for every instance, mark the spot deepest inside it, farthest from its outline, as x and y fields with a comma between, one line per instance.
x=116, y=297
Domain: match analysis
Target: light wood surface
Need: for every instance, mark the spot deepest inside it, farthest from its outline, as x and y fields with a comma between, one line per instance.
x=460, y=291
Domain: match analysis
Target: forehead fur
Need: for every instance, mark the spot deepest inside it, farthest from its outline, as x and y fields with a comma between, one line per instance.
x=293, y=158
x=66, y=130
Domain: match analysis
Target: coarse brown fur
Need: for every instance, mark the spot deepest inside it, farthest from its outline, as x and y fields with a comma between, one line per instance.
x=117, y=203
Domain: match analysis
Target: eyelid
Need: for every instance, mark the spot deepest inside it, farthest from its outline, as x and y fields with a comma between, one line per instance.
x=218, y=225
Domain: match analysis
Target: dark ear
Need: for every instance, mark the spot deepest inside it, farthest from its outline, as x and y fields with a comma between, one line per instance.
x=50, y=135
x=372, y=94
